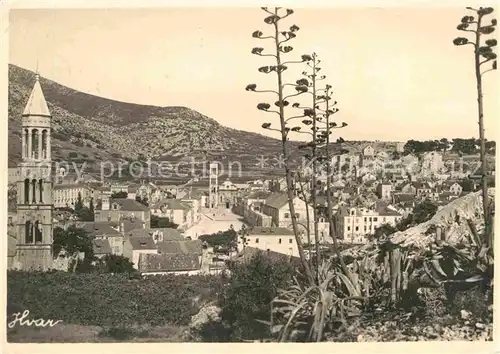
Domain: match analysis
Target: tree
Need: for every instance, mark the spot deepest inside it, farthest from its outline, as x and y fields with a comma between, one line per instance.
x=157, y=222
x=467, y=185
x=422, y=212
x=383, y=231
x=119, y=195
x=79, y=203
x=112, y=263
x=73, y=241
x=279, y=38
x=91, y=208
x=243, y=233
x=483, y=54
x=246, y=299
x=143, y=201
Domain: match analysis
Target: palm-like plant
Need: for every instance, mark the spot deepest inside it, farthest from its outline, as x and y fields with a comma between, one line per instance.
x=280, y=41
x=483, y=55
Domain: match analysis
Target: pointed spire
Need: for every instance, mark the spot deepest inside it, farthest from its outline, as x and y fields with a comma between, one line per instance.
x=36, y=106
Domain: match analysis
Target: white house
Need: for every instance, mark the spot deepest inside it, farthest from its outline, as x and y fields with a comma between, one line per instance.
x=354, y=224
x=276, y=239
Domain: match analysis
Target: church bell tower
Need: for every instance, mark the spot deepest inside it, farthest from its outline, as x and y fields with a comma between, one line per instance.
x=34, y=190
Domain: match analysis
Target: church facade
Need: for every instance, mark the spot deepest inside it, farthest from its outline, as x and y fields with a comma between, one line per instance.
x=34, y=187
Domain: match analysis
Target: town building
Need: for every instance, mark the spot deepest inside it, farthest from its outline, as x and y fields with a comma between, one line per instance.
x=275, y=239
x=355, y=224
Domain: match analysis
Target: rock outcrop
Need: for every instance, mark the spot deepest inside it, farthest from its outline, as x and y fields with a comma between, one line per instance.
x=452, y=219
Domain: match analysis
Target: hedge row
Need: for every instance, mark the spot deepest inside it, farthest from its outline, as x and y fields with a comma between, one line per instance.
x=107, y=299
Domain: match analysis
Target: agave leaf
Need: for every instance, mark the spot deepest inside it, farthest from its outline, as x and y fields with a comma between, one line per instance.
x=264, y=322
x=290, y=319
x=283, y=301
x=437, y=266
x=474, y=279
x=350, y=286
x=429, y=274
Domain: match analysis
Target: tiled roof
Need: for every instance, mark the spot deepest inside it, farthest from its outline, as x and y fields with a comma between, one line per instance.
x=173, y=204
x=259, y=195
x=99, y=228
x=130, y=224
x=169, y=234
x=259, y=230
x=403, y=197
x=388, y=212
x=101, y=246
x=168, y=262
x=277, y=200
x=181, y=247
x=141, y=232
x=142, y=243
x=130, y=204
x=250, y=252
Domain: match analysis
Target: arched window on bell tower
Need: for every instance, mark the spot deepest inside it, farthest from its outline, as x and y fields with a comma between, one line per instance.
x=44, y=144
x=40, y=188
x=28, y=232
x=33, y=185
x=26, y=191
x=35, y=144
x=38, y=232
x=26, y=143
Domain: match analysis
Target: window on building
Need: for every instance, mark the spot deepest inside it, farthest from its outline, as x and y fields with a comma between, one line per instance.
x=357, y=228
x=279, y=241
x=383, y=219
x=256, y=240
x=352, y=212
x=365, y=218
x=286, y=216
x=375, y=219
x=290, y=240
x=348, y=228
x=369, y=219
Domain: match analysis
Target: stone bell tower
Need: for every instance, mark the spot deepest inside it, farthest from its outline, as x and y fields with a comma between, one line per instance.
x=34, y=189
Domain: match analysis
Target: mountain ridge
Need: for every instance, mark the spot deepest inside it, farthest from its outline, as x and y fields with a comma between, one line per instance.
x=106, y=127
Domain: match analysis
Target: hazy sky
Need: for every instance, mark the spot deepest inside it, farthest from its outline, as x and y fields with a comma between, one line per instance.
x=395, y=72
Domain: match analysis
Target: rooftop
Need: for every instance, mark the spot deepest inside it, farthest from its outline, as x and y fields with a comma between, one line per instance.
x=168, y=262
x=36, y=105
x=259, y=230
x=129, y=204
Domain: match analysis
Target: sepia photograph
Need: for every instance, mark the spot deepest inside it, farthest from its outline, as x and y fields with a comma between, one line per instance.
x=252, y=174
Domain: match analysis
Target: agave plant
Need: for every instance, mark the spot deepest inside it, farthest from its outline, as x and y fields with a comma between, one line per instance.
x=465, y=263
x=303, y=313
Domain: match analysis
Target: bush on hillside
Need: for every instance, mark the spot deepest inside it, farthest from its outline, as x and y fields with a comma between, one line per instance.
x=247, y=297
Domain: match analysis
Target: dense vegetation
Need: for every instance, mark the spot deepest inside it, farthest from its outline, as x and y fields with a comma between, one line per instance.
x=461, y=146
x=108, y=299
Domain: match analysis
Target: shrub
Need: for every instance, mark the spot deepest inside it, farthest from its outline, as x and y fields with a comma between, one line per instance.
x=247, y=298
x=73, y=154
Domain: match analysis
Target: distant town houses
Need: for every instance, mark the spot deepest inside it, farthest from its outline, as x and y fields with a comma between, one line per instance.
x=127, y=214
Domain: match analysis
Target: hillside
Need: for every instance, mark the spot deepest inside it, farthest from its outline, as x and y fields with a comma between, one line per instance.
x=92, y=129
